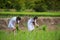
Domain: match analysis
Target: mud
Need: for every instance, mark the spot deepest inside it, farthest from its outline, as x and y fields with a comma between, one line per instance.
x=51, y=22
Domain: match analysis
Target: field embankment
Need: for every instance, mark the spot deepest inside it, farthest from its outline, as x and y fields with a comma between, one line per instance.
x=52, y=23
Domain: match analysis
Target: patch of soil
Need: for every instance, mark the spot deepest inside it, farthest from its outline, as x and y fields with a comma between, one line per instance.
x=51, y=22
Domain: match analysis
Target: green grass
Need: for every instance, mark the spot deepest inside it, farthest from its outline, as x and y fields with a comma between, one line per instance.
x=53, y=14
x=34, y=35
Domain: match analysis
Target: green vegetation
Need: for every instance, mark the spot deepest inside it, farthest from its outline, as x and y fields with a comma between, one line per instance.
x=45, y=14
x=34, y=35
x=35, y=5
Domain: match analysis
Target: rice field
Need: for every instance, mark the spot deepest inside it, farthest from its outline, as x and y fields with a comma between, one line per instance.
x=34, y=35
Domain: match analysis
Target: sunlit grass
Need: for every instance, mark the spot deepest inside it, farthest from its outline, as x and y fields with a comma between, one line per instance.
x=34, y=35
x=45, y=14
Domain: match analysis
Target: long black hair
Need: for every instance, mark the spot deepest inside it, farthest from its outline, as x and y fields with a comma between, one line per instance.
x=18, y=18
x=35, y=17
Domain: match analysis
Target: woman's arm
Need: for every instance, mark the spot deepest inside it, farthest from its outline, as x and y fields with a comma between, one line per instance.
x=36, y=23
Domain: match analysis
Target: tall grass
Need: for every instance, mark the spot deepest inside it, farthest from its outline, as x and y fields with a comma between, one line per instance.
x=34, y=35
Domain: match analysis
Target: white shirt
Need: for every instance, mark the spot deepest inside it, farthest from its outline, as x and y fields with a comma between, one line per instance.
x=12, y=22
x=30, y=24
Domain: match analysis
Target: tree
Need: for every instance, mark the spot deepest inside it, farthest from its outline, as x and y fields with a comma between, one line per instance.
x=40, y=6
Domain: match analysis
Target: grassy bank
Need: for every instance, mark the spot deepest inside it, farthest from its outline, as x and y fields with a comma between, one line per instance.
x=45, y=14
